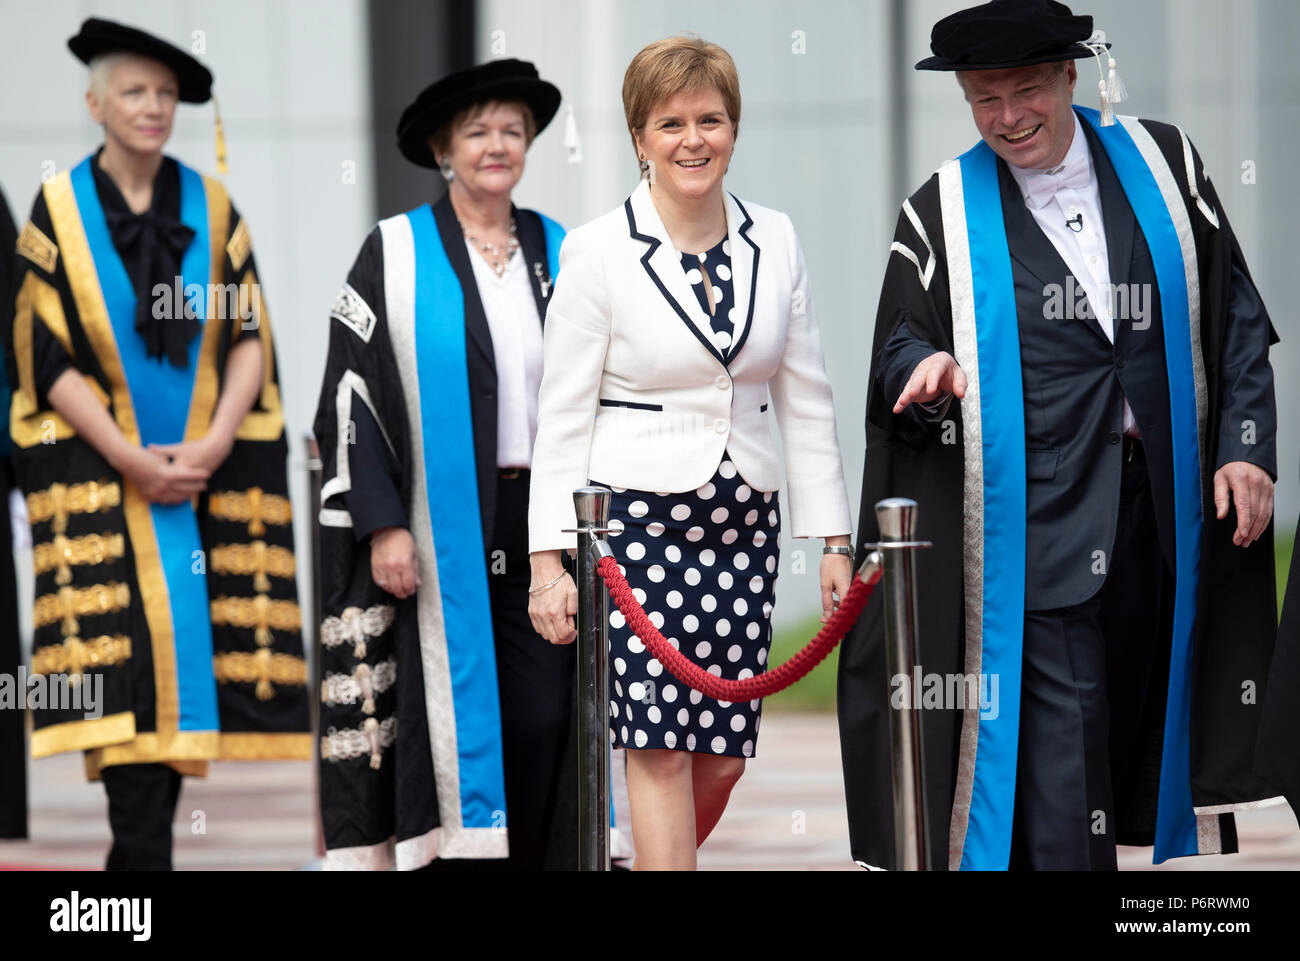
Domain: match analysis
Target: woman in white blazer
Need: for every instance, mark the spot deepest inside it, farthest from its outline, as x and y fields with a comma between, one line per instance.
x=675, y=318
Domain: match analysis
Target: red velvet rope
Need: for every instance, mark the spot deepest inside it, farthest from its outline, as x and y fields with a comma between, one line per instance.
x=760, y=685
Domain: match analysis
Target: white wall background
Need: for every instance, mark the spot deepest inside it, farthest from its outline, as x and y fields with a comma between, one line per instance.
x=814, y=142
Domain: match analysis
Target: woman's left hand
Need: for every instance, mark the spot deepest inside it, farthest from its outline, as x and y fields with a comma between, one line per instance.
x=836, y=576
x=208, y=452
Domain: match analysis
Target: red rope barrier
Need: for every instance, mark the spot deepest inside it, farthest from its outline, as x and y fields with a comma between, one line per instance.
x=761, y=685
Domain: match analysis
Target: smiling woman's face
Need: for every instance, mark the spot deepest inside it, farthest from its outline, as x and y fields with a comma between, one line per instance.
x=136, y=104
x=487, y=149
x=1024, y=113
x=688, y=140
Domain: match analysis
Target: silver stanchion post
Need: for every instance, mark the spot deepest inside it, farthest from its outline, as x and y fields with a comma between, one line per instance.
x=592, y=508
x=896, y=517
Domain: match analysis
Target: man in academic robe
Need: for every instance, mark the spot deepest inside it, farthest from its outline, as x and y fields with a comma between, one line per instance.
x=1096, y=477
x=13, y=748
x=149, y=442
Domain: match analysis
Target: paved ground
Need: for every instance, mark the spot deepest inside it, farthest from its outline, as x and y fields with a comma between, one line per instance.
x=786, y=814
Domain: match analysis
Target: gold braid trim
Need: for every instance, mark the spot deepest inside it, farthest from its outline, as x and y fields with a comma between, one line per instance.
x=58, y=501
x=63, y=553
x=74, y=655
x=261, y=667
x=253, y=506
x=73, y=602
x=258, y=559
x=260, y=613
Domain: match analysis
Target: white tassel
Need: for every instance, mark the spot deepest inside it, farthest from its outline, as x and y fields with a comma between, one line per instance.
x=1116, y=92
x=571, y=141
x=1113, y=92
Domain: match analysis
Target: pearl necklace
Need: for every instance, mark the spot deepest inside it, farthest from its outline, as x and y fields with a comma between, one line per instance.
x=499, y=254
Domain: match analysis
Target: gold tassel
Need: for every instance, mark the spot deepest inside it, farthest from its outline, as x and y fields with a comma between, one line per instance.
x=264, y=691
x=260, y=581
x=221, y=139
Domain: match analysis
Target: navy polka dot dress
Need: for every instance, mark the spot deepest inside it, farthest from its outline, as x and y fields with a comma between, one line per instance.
x=703, y=565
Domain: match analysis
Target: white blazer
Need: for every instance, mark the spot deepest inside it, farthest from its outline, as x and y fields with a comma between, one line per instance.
x=636, y=395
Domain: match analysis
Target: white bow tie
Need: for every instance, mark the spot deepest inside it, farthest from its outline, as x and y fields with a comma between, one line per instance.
x=1042, y=185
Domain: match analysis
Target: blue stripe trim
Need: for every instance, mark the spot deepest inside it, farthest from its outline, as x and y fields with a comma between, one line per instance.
x=160, y=397
x=554, y=234
x=452, y=493
x=988, y=833
x=1175, y=816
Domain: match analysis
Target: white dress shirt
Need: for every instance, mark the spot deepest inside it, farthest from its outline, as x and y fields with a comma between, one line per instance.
x=1063, y=194
x=516, y=331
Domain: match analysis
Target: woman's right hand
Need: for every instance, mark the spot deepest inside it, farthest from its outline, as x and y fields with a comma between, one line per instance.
x=162, y=480
x=552, y=610
x=394, y=564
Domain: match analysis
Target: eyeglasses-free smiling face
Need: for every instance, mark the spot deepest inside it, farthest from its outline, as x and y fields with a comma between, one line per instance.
x=688, y=140
x=1024, y=113
x=136, y=103
x=487, y=150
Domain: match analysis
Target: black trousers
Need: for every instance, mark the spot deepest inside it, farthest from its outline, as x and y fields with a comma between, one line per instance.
x=141, y=805
x=1092, y=703
x=536, y=684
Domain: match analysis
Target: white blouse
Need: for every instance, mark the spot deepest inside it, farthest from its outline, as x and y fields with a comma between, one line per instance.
x=516, y=330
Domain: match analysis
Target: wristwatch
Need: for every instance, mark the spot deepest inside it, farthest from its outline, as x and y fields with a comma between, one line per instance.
x=838, y=549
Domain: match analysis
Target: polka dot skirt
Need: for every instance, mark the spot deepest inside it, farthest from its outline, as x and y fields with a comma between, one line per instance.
x=703, y=565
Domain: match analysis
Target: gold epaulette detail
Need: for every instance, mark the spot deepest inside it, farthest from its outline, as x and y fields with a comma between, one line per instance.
x=58, y=501
x=239, y=246
x=38, y=248
x=73, y=602
x=253, y=506
x=74, y=655
x=260, y=613
x=64, y=553
x=263, y=667
x=258, y=559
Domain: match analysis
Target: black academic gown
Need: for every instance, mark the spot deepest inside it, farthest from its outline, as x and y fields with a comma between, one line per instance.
x=367, y=807
x=13, y=763
x=912, y=455
x=244, y=518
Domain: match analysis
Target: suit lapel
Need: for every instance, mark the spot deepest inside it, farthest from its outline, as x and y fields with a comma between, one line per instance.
x=532, y=243
x=453, y=242
x=744, y=272
x=661, y=263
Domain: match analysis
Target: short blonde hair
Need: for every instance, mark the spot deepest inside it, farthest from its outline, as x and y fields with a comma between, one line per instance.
x=440, y=139
x=681, y=64
x=101, y=68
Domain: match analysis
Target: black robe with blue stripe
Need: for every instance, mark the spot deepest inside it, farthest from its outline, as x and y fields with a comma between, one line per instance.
x=1235, y=611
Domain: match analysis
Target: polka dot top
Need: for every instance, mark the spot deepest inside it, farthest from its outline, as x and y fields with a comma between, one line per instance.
x=717, y=261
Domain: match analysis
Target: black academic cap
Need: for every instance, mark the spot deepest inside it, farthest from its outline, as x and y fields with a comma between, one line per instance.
x=99, y=37
x=1008, y=33
x=496, y=80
